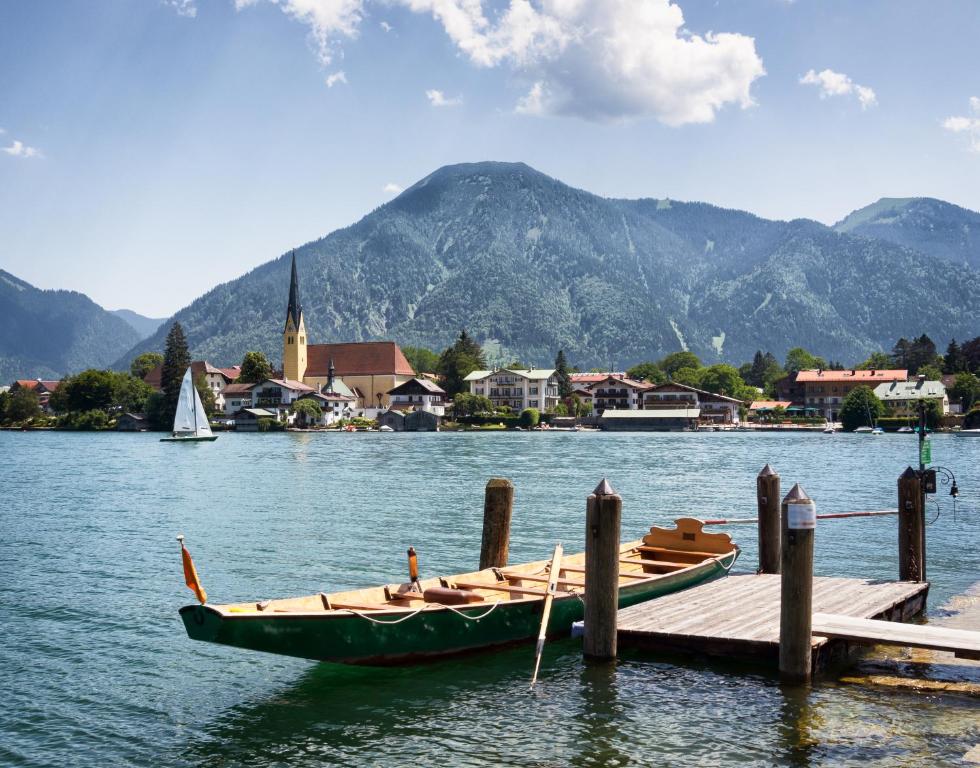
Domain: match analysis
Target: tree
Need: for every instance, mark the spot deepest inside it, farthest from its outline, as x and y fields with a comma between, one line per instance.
x=206, y=394
x=143, y=364
x=529, y=418
x=156, y=411
x=690, y=377
x=677, y=360
x=861, y=408
x=307, y=411
x=954, y=361
x=877, y=361
x=4, y=399
x=922, y=352
x=129, y=393
x=421, y=359
x=458, y=361
x=722, y=379
x=647, y=372
x=176, y=360
x=561, y=375
x=971, y=355
x=22, y=405
x=466, y=404
x=798, y=359
x=90, y=390
x=965, y=390
x=255, y=369
x=931, y=372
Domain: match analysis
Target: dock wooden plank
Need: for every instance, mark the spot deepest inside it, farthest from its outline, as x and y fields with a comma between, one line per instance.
x=739, y=615
x=962, y=642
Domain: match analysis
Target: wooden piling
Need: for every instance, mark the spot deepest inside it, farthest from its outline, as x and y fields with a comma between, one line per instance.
x=498, y=505
x=604, y=509
x=767, y=496
x=911, y=528
x=796, y=587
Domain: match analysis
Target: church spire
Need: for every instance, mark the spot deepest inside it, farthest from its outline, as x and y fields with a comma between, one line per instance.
x=294, y=311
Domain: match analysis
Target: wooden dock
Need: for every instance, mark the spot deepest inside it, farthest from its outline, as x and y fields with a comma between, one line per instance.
x=737, y=617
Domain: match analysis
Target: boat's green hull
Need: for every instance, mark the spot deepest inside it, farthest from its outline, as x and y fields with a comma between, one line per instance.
x=349, y=638
x=210, y=439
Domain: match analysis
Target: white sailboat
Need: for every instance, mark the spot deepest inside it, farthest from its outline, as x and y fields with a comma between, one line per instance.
x=190, y=422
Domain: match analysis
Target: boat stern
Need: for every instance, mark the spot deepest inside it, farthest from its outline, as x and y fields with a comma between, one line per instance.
x=201, y=622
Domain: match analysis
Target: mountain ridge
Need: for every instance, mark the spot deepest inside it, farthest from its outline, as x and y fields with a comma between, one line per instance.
x=528, y=265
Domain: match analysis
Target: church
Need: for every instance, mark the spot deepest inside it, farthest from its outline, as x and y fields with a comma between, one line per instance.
x=370, y=369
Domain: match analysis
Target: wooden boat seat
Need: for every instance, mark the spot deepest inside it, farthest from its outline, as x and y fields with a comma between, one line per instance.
x=626, y=574
x=500, y=587
x=659, y=563
x=665, y=551
x=544, y=579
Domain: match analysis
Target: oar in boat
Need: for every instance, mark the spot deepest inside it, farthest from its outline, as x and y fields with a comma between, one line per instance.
x=549, y=596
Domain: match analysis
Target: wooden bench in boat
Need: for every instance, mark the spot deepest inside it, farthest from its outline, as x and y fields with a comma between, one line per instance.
x=666, y=551
x=501, y=587
x=623, y=574
x=659, y=563
x=543, y=579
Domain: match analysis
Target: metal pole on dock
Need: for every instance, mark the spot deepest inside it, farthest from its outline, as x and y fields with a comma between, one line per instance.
x=498, y=505
x=796, y=586
x=767, y=496
x=604, y=510
x=911, y=528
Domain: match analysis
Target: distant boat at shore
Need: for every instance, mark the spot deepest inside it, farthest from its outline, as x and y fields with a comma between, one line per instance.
x=190, y=421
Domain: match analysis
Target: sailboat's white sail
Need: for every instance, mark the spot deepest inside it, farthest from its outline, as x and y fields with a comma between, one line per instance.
x=190, y=419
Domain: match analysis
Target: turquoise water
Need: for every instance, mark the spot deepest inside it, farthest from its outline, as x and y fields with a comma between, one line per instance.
x=97, y=669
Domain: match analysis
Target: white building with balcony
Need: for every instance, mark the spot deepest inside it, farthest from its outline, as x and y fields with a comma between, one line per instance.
x=517, y=389
x=419, y=394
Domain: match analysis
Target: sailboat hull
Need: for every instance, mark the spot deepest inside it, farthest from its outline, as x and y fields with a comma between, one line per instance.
x=191, y=439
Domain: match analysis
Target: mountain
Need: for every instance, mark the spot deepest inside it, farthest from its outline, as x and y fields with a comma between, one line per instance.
x=46, y=334
x=933, y=227
x=529, y=265
x=144, y=326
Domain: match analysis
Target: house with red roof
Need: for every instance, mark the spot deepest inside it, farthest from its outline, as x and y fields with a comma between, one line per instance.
x=217, y=379
x=43, y=389
x=824, y=390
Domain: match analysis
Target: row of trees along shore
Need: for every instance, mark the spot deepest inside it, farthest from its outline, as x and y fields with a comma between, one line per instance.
x=93, y=399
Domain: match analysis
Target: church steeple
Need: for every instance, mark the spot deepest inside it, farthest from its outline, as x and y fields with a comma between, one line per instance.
x=294, y=333
x=294, y=311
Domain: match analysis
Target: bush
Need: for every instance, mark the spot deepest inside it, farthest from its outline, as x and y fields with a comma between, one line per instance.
x=861, y=408
x=268, y=424
x=482, y=419
x=529, y=418
x=88, y=421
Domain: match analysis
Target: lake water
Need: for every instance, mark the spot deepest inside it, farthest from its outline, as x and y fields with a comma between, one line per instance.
x=97, y=670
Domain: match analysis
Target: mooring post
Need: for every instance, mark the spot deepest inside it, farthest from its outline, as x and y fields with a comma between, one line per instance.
x=604, y=510
x=796, y=586
x=498, y=505
x=911, y=528
x=767, y=496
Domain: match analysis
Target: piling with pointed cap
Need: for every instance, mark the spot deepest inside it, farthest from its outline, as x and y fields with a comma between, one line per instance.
x=767, y=498
x=603, y=515
x=911, y=528
x=796, y=586
x=498, y=506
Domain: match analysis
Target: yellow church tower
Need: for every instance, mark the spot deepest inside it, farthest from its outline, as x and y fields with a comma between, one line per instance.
x=294, y=334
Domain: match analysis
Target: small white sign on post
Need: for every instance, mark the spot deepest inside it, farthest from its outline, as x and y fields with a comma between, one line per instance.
x=801, y=516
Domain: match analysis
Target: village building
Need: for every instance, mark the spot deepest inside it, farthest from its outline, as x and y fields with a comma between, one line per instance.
x=516, y=389
x=903, y=397
x=763, y=409
x=712, y=408
x=333, y=406
x=43, y=389
x=247, y=419
x=277, y=396
x=235, y=397
x=369, y=368
x=409, y=421
x=654, y=420
x=587, y=379
x=419, y=394
x=216, y=379
x=618, y=393
x=823, y=391
x=132, y=422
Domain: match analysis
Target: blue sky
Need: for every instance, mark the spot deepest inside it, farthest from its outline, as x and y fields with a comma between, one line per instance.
x=152, y=149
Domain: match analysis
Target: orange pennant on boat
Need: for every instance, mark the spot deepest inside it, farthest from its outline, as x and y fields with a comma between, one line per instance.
x=190, y=575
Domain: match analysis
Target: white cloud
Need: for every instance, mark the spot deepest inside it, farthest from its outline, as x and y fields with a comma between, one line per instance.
x=967, y=124
x=20, y=149
x=336, y=77
x=392, y=189
x=606, y=59
x=386, y=26
x=439, y=99
x=186, y=8
x=326, y=19
x=833, y=83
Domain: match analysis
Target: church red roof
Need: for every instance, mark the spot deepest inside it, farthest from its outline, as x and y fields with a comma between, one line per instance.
x=361, y=358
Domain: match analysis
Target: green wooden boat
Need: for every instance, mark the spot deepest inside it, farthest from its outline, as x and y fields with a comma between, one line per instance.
x=406, y=623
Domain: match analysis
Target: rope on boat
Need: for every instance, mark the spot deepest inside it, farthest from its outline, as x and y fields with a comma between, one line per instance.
x=378, y=621
x=483, y=615
x=416, y=612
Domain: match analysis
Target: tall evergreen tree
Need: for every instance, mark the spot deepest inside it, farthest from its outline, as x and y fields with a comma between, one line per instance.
x=954, y=360
x=561, y=374
x=176, y=359
x=459, y=360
